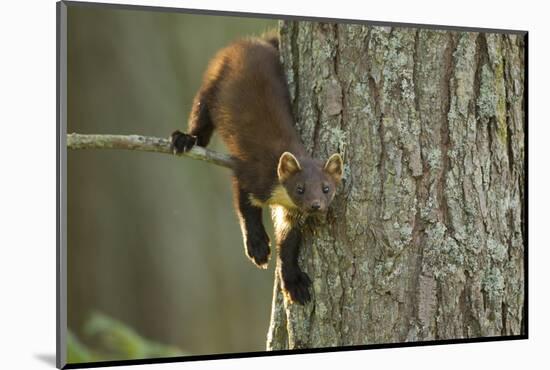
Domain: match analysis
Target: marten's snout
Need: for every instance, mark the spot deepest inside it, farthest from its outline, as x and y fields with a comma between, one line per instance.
x=316, y=205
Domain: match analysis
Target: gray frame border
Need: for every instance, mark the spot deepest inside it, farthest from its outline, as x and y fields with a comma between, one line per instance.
x=167, y=9
x=61, y=183
x=61, y=187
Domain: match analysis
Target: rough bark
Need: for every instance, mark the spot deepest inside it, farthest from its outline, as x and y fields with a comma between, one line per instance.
x=425, y=239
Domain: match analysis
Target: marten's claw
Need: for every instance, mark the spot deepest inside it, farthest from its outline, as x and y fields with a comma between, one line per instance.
x=257, y=249
x=181, y=142
x=297, y=289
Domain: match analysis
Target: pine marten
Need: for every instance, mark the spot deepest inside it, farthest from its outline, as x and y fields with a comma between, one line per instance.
x=244, y=96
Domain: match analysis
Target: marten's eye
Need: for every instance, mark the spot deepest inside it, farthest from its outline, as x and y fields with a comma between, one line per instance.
x=300, y=189
x=325, y=189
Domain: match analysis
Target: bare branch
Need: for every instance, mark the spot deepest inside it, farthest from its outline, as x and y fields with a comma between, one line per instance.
x=146, y=144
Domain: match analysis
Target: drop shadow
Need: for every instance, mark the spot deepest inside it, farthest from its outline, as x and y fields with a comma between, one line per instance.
x=47, y=358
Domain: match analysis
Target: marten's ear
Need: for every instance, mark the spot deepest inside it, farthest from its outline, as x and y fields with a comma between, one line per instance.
x=288, y=166
x=335, y=167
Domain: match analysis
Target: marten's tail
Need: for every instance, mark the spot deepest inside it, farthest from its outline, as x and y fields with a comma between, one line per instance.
x=272, y=37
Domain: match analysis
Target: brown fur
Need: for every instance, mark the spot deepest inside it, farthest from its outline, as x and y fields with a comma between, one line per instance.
x=251, y=111
x=244, y=97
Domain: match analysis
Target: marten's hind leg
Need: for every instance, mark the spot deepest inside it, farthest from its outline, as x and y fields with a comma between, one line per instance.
x=201, y=126
x=255, y=238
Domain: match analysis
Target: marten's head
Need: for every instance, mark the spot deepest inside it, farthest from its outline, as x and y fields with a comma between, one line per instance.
x=310, y=184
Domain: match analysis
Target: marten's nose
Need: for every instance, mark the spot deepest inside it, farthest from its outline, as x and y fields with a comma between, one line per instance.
x=316, y=206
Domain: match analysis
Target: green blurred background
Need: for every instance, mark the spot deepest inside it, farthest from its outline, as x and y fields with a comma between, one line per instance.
x=155, y=254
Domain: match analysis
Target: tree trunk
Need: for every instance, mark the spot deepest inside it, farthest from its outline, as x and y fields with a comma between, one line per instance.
x=425, y=239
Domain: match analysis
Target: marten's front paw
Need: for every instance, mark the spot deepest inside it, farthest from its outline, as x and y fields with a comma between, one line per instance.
x=257, y=249
x=181, y=142
x=296, y=287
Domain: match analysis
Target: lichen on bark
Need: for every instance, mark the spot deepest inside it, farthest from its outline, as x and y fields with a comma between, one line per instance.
x=425, y=237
